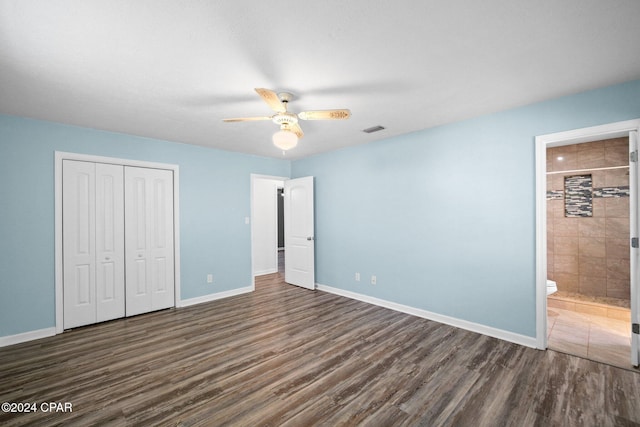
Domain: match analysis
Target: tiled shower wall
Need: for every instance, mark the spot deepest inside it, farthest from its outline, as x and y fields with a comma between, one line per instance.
x=590, y=255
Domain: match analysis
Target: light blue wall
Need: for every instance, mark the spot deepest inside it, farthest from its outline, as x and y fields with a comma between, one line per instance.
x=445, y=217
x=214, y=201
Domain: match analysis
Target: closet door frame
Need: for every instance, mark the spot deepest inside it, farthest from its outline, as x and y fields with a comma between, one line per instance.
x=59, y=157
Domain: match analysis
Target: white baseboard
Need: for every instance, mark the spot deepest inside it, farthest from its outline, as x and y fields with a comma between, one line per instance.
x=49, y=332
x=452, y=321
x=263, y=272
x=27, y=336
x=216, y=296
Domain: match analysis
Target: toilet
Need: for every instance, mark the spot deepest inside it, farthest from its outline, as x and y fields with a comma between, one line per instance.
x=551, y=287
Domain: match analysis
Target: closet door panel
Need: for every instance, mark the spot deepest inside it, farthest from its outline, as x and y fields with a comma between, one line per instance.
x=161, y=245
x=148, y=240
x=79, y=259
x=110, y=283
x=138, y=297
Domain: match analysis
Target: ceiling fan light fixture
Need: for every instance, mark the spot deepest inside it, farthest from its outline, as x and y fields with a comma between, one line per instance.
x=290, y=131
x=285, y=139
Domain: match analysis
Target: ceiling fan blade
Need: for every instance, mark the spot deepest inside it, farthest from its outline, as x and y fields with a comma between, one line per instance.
x=272, y=100
x=325, y=115
x=295, y=128
x=246, y=119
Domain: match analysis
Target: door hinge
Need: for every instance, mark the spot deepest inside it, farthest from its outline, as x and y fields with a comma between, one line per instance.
x=635, y=243
x=633, y=156
x=635, y=328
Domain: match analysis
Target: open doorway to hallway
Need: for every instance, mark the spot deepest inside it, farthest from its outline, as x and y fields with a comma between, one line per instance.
x=267, y=224
x=281, y=257
x=298, y=219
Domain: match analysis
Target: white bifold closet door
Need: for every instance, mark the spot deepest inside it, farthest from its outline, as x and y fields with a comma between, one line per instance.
x=93, y=242
x=118, y=249
x=149, y=239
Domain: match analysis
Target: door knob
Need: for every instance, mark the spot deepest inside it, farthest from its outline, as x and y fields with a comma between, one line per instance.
x=310, y=238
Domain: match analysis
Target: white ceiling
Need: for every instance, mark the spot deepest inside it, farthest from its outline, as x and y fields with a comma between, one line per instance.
x=173, y=69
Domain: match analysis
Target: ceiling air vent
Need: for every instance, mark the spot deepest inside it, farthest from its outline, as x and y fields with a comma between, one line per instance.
x=373, y=129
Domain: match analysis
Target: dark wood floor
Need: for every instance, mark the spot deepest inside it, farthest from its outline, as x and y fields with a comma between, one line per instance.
x=288, y=356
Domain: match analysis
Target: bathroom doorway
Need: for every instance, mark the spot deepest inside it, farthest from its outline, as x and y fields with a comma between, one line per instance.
x=584, y=225
x=588, y=257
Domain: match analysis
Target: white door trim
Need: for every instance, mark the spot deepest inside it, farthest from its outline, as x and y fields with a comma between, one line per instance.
x=634, y=252
x=542, y=142
x=59, y=157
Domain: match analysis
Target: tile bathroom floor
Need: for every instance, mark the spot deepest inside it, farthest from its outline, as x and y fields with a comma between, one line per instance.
x=598, y=338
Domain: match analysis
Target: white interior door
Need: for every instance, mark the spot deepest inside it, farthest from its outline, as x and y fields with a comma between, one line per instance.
x=634, y=187
x=109, y=242
x=149, y=240
x=299, y=237
x=79, y=258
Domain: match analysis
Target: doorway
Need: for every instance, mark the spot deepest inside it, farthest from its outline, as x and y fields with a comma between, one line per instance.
x=267, y=224
x=298, y=219
x=577, y=208
x=588, y=229
x=280, y=203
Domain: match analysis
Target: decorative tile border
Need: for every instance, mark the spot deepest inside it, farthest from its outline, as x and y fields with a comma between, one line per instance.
x=602, y=192
x=555, y=194
x=621, y=191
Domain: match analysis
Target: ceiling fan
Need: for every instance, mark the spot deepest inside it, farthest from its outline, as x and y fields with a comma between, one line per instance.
x=290, y=130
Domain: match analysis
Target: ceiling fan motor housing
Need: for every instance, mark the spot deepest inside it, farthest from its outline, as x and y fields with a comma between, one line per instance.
x=285, y=119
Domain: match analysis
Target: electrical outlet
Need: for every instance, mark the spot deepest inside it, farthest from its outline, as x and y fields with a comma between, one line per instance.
x=357, y=277
x=374, y=280
x=209, y=278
